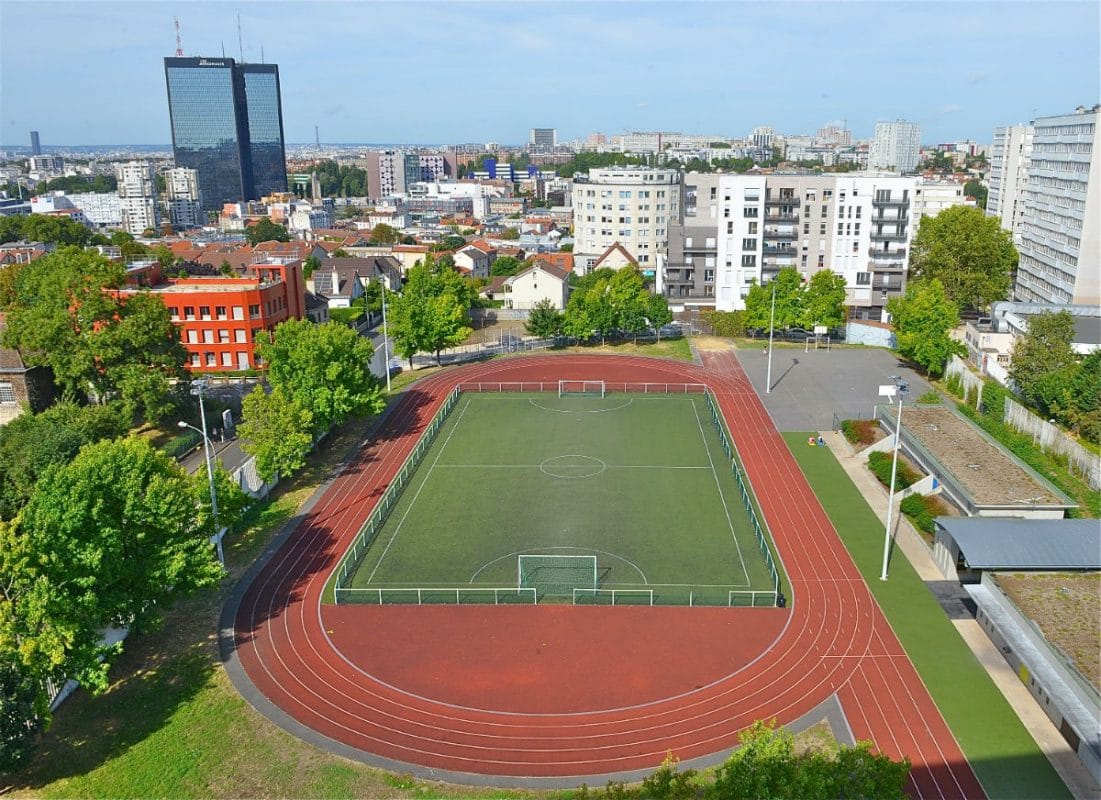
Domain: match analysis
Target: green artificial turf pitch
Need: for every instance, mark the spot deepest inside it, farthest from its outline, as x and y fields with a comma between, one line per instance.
x=640, y=481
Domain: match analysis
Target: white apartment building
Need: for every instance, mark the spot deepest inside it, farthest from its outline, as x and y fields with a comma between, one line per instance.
x=137, y=191
x=932, y=197
x=543, y=138
x=633, y=206
x=391, y=172
x=101, y=210
x=1061, y=227
x=896, y=146
x=738, y=230
x=183, y=198
x=1009, y=157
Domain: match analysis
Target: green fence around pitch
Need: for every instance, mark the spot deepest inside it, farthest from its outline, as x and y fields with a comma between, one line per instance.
x=747, y=497
x=378, y=517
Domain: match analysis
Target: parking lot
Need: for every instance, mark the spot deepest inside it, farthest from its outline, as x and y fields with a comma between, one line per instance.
x=809, y=388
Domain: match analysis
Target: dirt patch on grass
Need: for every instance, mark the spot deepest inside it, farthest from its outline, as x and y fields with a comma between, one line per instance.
x=1066, y=606
x=712, y=344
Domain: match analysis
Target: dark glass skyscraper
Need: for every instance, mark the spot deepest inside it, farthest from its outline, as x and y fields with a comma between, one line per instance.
x=227, y=125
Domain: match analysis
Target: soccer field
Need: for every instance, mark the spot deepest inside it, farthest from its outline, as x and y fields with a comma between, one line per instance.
x=640, y=481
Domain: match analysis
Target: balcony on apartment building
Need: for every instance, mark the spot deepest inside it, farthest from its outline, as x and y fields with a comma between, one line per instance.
x=779, y=250
x=784, y=218
x=881, y=255
x=902, y=201
x=783, y=200
x=885, y=236
x=779, y=233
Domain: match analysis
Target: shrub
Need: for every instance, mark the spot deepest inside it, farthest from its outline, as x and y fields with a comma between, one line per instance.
x=725, y=323
x=859, y=431
x=880, y=465
x=923, y=510
x=954, y=385
x=182, y=444
x=993, y=400
x=930, y=398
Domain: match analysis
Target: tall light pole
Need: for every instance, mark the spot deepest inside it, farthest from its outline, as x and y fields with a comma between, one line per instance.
x=771, y=325
x=385, y=338
x=899, y=388
x=197, y=389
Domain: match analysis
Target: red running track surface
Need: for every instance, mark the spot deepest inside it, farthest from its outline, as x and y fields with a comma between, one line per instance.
x=576, y=692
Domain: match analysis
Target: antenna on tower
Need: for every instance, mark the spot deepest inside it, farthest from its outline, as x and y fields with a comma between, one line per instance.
x=223, y=49
x=240, y=46
x=179, y=44
x=261, y=52
x=317, y=137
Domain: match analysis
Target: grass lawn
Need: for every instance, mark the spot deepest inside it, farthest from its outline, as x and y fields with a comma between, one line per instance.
x=678, y=349
x=172, y=725
x=629, y=479
x=1005, y=757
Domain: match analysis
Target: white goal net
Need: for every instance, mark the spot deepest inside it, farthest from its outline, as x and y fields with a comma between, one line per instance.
x=591, y=388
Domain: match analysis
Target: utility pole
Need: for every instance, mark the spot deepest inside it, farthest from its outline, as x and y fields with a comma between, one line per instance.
x=771, y=325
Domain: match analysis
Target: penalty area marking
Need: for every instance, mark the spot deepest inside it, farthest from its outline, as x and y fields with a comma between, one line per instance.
x=582, y=410
x=541, y=550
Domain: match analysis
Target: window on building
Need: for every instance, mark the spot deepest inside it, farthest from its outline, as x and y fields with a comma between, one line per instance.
x=827, y=193
x=174, y=312
x=7, y=393
x=227, y=359
x=749, y=261
x=840, y=228
x=208, y=337
x=223, y=336
x=821, y=261
x=204, y=312
x=192, y=337
x=714, y=192
x=752, y=228
x=254, y=310
x=750, y=212
x=803, y=261
x=220, y=312
x=806, y=227
x=822, y=229
x=749, y=244
x=189, y=312
x=194, y=360
x=730, y=227
x=825, y=211
x=210, y=359
x=240, y=336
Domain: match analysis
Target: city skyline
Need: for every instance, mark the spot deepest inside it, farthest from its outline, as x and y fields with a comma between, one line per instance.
x=708, y=68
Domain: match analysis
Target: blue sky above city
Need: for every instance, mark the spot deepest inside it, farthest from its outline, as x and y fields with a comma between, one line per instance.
x=449, y=72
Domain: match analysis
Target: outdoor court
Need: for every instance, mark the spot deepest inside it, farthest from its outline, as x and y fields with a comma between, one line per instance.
x=555, y=695
x=633, y=489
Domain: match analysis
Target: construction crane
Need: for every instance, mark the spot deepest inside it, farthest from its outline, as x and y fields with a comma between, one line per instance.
x=179, y=44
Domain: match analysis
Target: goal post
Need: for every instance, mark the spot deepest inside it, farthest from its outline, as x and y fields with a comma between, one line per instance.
x=591, y=388
x=556, y=575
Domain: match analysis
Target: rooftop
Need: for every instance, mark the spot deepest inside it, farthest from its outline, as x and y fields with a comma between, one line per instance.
x=1034, y=544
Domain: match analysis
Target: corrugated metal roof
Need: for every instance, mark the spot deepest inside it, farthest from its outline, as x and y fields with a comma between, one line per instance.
x=1000, y=543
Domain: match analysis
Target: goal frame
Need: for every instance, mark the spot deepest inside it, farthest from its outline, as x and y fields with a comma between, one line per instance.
x=579, y=559
x=587, y=387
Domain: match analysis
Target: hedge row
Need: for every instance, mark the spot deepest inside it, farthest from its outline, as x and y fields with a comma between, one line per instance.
x=880, y=465
x=923, y=510
x=859, y=431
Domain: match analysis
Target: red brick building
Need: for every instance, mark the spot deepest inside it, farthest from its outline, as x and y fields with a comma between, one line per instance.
x=220, y=318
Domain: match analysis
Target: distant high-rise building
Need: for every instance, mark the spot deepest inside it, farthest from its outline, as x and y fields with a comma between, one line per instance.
x=896, y=146
x=762, y=136
x=184, y=198
x=543, y=138
x=227, y=125
x=1009, y=157
x=137, y=189
x=36, y=145
x=391, y=172
x=1061, y=228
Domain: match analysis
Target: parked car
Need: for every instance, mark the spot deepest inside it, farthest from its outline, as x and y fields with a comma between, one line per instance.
x=797, y=334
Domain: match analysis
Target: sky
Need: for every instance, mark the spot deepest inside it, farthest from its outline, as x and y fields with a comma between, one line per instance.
x=449, y=72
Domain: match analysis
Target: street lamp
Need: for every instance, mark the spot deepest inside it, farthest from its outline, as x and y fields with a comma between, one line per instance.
x=385, y=338
x=899, y=388
x=197, y=389
x=771, y=325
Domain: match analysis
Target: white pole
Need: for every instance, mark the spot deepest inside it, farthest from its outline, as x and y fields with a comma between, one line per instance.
x=891, y=496
x=210, y=476
x=385, y=338
x=771, y=325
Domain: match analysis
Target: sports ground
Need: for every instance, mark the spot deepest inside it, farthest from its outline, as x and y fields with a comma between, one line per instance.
x=554, y=694
x=627, y=498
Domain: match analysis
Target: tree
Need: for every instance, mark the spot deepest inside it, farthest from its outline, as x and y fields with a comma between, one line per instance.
x=923, y=318
x=658, y=313
x=968, y=252
x=545, y=320
x=325, y=368
x=310, y=265
x=385, y=234
x=21, y=719
x=266, y=231
x=97, y=341
x=431, y=312
x=823, y=301
x=277, y=430
x=43, y=228
x=340, y=252
x=504, y=266
x=1043, y=352
x=510, y=234
x=789, y=301
x=974, y=188
x=32, y=442
x=450, y=242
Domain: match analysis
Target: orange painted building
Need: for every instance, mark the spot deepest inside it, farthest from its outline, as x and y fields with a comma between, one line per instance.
x=220, y=318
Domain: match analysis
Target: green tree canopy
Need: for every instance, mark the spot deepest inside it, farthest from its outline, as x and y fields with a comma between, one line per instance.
x=545, y=320
x=385, y=234
x=325, y=368
x=788, y=284
x=266, y=231
x=504, y=266
x=923, y=318
x=968, y=252
x=44, y=228
x=97, y=341
x=823, y=300
x=974, y=188
x=1044, y=366
x=277, y=430
x=431, y=312
x=32, y=442
x=609, y=300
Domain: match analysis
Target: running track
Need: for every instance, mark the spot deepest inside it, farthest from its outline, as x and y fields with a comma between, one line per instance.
x=501, y=694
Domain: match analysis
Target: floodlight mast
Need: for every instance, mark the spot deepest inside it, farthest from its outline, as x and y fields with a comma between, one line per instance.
x=899, y=388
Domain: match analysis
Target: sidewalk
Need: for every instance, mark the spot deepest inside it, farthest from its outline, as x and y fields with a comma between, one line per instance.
x=909, y=541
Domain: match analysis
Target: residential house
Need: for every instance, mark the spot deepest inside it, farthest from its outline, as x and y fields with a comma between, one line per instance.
x=540, y=281
x=22, y=387
x=473, y=261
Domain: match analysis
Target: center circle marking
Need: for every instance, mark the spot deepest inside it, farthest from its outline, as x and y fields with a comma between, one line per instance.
x=572, y=465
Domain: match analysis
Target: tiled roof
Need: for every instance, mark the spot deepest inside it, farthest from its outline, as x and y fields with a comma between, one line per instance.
x=563, y=261
x=612, y=249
